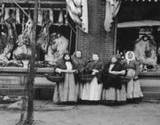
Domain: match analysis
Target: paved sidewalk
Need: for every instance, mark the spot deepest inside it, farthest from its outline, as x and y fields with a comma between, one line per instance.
x=131, y=114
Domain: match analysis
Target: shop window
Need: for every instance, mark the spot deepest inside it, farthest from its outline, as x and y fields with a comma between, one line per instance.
x=146, y=37
x=59, y=27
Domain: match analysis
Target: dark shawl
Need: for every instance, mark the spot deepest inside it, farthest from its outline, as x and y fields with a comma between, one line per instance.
x=79, y=63
x=61, y=65
x=55, y=76
x=111, y=80
x=98, y=65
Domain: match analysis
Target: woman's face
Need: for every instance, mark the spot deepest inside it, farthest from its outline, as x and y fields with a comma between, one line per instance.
x=78, y=54
x=145, y=38
x=95, y=57
x=67, y=57
x=130, y=55
x=114, y=59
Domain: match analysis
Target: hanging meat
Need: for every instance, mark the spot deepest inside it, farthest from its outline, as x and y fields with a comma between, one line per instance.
x=40, y=17
x=56, y=49
x=23, y=51
x=51, y=15
x=10, y=34
x=145, y=49
x=43, y=37
x=60, y=19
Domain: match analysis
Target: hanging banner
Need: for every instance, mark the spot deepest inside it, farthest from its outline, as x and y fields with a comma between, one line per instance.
x=112, y=8
x=84, y=16
x=78, y=11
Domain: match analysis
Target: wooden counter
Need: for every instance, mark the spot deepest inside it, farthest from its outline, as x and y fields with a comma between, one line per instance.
x=13, y=79
x=150, y=83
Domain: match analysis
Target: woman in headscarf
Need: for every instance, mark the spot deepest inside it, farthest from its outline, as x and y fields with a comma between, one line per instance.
x=79, y=64
x=94, y=68
x=114, y=90
x=134, y=93
x=65, y=91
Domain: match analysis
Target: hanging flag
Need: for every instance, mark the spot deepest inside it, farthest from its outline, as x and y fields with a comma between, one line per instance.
x=78, y=11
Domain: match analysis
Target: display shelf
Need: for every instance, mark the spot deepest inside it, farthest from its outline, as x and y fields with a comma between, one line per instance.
x=150, y=74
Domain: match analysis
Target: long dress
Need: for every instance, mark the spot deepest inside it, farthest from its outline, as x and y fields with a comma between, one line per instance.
x=114, y=86
x=65, y=91
x=79, y=64
x=133, y=86
x=92, y=90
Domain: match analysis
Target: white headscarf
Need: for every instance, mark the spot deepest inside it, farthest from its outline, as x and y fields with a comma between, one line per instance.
x=129, y=56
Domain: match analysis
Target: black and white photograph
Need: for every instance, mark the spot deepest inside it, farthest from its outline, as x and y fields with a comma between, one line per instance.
x=79, y=62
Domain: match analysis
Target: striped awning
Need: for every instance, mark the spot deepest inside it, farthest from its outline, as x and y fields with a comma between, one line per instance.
x=143, y=0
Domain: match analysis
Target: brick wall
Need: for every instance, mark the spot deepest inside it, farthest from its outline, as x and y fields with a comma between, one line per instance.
x=97, y=40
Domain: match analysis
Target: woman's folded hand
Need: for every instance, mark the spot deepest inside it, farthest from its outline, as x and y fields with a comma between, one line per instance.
x=58, y=70
x=95, y=70
x=122, y=72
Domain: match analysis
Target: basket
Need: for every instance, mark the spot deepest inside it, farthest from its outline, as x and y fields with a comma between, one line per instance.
x=55, y=78
x=86, y=77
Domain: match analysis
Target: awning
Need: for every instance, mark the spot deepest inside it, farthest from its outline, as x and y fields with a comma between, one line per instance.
x=142, y=23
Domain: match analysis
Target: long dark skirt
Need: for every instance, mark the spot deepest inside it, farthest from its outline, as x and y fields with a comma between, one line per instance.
x=114, y=89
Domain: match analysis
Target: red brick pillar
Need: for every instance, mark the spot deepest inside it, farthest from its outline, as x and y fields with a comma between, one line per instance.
x=97, y=40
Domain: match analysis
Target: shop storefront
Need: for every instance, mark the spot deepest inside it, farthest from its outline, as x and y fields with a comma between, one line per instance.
x=138, y=30
x=99, y=32
x=54, y=27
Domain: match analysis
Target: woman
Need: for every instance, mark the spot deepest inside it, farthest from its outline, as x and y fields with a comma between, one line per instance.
x=93, y=89
x=65, y=91
x=79, y=64
x=134, y=93
x=114, y=91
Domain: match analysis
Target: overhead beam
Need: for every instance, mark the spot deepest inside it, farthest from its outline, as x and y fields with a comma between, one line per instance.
x=32, y=1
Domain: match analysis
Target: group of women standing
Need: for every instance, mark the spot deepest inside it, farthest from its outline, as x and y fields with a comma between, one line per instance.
x=92, y=81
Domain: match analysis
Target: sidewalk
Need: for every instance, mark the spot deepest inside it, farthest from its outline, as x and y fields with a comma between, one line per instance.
x=49, y=114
